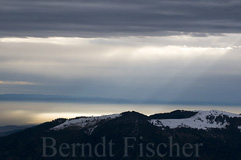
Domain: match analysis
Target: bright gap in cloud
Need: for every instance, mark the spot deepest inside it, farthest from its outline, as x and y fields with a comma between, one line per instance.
x=16, y=83
x=121, y=67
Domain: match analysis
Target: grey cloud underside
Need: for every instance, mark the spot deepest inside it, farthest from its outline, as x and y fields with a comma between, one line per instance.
x=45, y=18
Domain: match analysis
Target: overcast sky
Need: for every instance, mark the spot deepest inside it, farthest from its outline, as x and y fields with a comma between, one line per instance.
x=165, y=69
x=144, y=51
x=44, y=18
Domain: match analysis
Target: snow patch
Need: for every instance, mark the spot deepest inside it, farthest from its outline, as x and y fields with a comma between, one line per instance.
x=202, y=120
x=239, y=127
x=84, y=122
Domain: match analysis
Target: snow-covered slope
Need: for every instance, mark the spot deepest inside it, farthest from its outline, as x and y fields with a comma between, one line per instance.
x=89, y=123
x=202, y=120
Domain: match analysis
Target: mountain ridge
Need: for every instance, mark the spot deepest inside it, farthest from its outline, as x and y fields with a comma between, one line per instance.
x=221, y=143
x=176, y=119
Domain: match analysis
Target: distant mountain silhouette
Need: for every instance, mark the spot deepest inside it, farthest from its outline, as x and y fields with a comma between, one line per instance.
x=217, y=131
x=7, y=130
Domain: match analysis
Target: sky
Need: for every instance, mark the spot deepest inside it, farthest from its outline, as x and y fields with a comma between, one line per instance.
x=121, y=51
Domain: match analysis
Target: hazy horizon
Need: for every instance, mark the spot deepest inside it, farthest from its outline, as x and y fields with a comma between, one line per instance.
x=22, y=113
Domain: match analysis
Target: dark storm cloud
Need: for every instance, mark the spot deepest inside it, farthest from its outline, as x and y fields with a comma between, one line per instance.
x=115, y=18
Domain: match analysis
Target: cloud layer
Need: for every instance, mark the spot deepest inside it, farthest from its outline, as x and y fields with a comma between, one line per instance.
x=16, y=83
x=81, y=18
x=171, y=69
